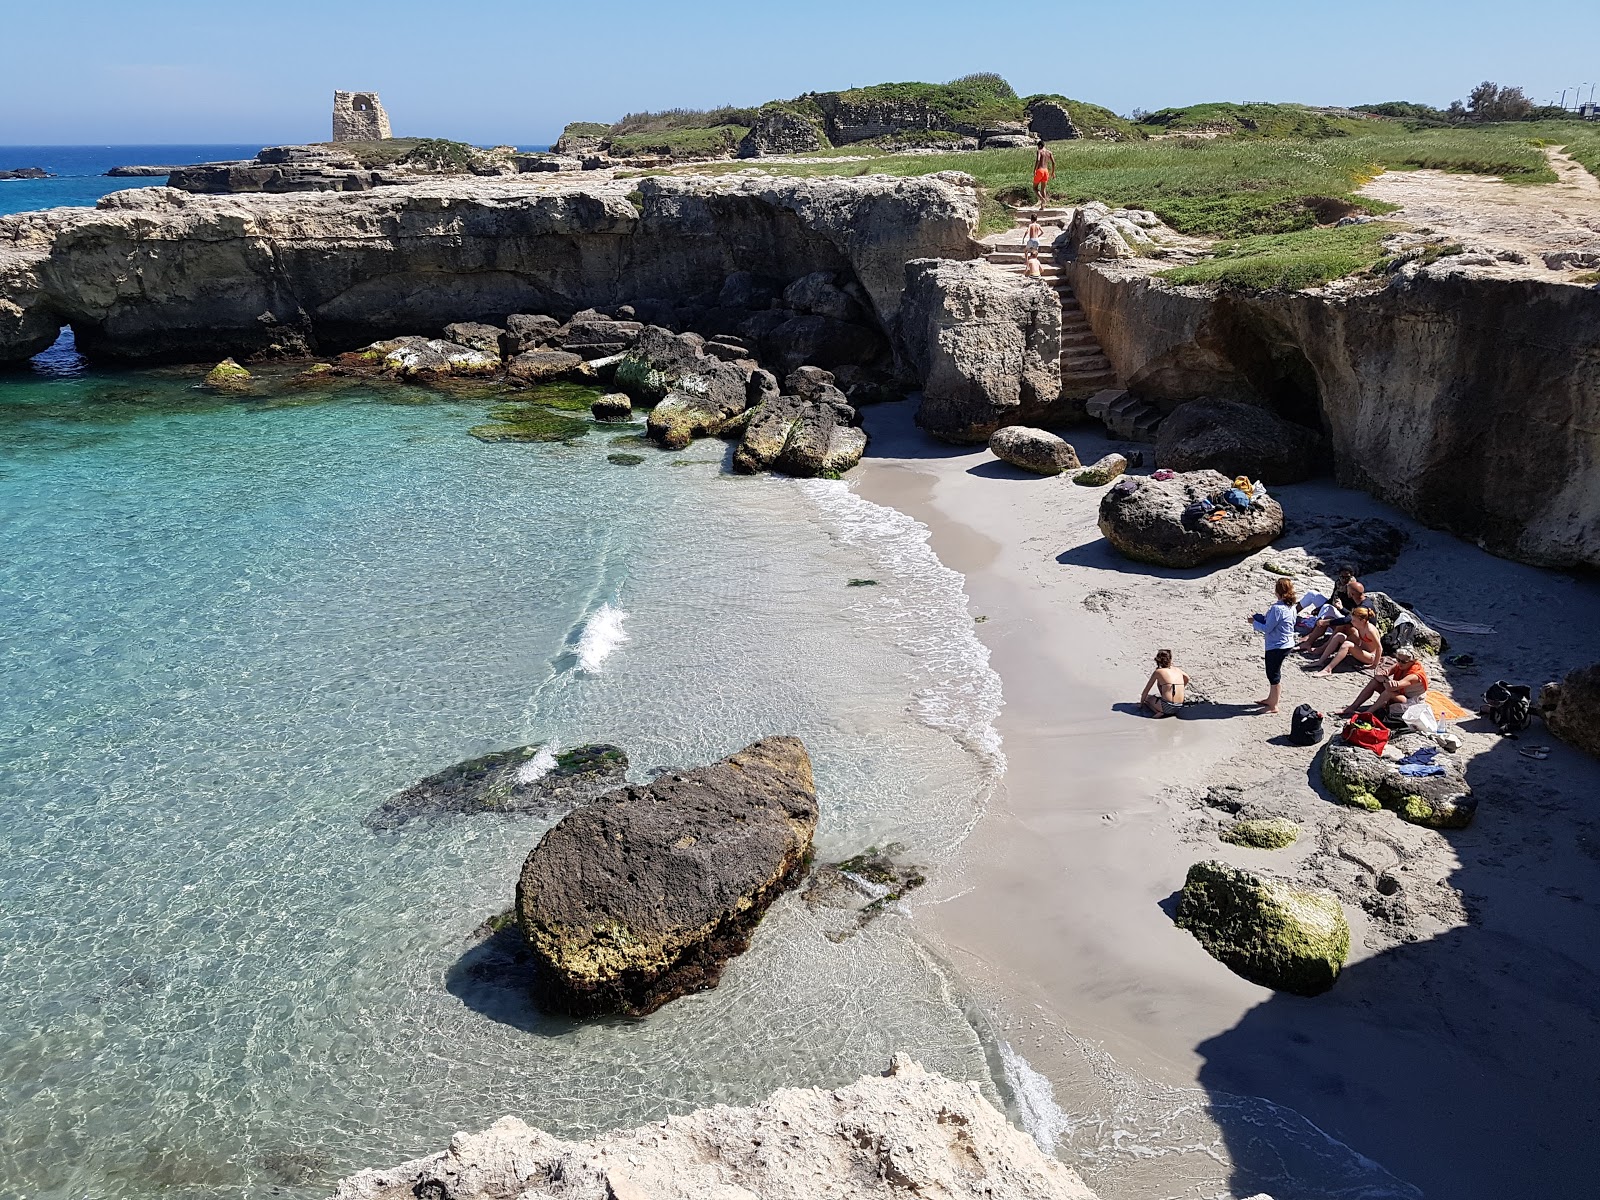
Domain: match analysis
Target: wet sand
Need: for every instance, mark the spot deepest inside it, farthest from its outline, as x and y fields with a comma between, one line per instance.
x=1464, y=1028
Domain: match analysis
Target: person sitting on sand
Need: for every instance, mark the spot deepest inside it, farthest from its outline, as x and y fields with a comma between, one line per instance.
x=1354, y=594
x=1279, y=629
x=1044, y=166
x=1031, y=267
x=1168, y=683
x=1358, y=641
x=1406, y=682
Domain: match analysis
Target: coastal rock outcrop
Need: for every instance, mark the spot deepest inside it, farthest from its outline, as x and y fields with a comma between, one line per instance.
x=526, y=779
x=228, y=274
x=1154, y=521
x=985, y=345
x=1036, y=450
x=909, y=1132
x=644, y=894
x=780, y=130
x=1357, y=776
x=1271, y=932
x=1468, y=400
x=1239, y=439
x=1571, y=708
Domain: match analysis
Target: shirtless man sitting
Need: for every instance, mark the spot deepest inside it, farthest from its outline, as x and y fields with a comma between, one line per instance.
x=1406, y=681
x=1168, y=683
x=1350, y=593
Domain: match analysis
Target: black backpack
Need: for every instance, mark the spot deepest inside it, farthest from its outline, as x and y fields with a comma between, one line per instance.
x=1305, y=726
x=1509, y=706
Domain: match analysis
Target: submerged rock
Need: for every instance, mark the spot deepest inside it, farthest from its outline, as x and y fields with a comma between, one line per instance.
x=529, y=423
x=1240, y=439
x=1035, y=450
x=643, y=895
x=1571, y=708
x=1143, y=518
x=908, y=1133
x=527, y=779
x=1267, y=930
x=613, y=406
x=1358, y=777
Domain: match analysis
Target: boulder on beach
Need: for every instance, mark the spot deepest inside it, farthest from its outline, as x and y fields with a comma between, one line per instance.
x=643, y=895
x=1240, y=439
x=1261, y=833
x=1358, y=777
x=1101, y=471
x=1398, y=626
x=1035, y=450
x=525, y=779
x=800, y=437
x=1143, y=518
x=657, y=359
x=701, y=399
x=1269, y=931
x=1571, y=708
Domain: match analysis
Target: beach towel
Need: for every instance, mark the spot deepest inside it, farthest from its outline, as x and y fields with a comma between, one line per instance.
x=1420, y=770
x=1445, y=708
x=1424, y=755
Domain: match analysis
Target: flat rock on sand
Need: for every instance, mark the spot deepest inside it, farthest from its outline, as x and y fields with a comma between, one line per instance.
x=909, y=1133
x=1143, y=518
x=1357, y=776
x=643, y=895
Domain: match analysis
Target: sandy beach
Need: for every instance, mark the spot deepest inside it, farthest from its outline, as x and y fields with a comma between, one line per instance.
x=1454, y=1056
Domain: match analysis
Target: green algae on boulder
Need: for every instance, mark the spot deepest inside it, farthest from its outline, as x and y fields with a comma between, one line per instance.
x=1261, y=833
x=623, y=459
x=1266, y=930
x=227, y=376
x=529, y=423
x=565, y=395
x=526, y=779
x=1358, y=777
x=643, y=895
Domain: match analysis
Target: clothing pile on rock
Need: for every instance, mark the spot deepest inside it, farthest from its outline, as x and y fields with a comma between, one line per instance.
x=1241, y=497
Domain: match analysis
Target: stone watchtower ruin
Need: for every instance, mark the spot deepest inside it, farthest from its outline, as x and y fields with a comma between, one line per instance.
x=359, y=117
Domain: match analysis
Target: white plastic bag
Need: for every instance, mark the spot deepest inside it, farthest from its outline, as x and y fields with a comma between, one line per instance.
x=1420, y=716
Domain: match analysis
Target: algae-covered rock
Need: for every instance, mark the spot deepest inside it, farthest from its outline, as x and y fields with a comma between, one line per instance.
x=1571, y=708
x=540, y=366
x=1035, y=450
x=1269, y=931
x=529, y=423
x=613, y=406
x=227, y=376
x=643, y=895
x=622, y=458
x=1101, y=471
x=1358, y=777
x=526, y=779
x=430, y=358
x=1262, y=833
x=1398, y=626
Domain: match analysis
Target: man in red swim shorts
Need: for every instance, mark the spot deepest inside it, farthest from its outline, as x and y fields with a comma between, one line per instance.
x=1044, y=166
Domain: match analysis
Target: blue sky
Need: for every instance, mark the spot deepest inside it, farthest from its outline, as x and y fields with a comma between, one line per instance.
x=131, y=71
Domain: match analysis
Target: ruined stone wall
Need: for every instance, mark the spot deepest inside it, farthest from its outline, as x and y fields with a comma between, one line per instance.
x=359, y=117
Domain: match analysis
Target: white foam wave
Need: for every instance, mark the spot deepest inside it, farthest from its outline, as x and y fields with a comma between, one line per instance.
x=540, y=765
x=961, y=693
x=1042, y=1117
x=601, y=635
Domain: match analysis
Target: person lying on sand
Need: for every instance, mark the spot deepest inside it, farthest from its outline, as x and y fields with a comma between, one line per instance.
x=1168, y=683
x=1354, y=594
x=1406, y=681
x=1357, y=642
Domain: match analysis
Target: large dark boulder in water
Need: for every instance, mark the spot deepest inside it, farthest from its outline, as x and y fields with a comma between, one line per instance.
x=1144, y=519
x=1268, y=930
x=644, y=895
x=1240, y=439
x=507, y=781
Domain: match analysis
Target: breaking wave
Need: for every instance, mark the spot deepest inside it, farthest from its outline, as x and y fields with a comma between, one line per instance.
x=602, y=634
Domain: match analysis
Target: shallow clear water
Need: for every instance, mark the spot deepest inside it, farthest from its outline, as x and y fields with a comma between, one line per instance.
x=231, y=628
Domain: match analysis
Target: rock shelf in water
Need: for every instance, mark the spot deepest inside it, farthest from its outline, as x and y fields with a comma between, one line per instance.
x=507, y=781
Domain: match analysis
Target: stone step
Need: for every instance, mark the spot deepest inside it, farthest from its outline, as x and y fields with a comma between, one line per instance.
x=1073, y=338
x=1128, y=416
x=1097, y=404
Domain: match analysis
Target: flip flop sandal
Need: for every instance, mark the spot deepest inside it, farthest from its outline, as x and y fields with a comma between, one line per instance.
x=1534, y=751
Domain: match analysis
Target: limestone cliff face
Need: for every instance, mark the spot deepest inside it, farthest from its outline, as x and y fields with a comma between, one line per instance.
x=1471, y=402
x=157, y=273
x=912, y=1133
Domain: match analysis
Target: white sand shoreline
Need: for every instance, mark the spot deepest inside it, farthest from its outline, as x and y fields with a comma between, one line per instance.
x=1055, y=920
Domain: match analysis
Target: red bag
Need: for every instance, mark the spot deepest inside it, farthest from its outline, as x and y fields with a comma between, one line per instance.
x=1366, y=731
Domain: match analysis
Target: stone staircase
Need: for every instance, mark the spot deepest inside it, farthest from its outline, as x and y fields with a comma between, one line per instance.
x=1085, y=370
x=1125, y=416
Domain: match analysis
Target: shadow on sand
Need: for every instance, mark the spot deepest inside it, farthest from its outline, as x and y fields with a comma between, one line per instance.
x=1467, y=1065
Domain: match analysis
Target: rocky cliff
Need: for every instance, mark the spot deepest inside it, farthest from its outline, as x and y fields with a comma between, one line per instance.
x=910, y=1133
x=1470, y=401
x=157, y=273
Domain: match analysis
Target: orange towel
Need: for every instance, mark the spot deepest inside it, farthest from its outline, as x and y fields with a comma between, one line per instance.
x=1445, y=708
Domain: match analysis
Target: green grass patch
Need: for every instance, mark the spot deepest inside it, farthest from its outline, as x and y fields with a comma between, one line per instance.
x=1301, y=259
x=678, y=143
x=1253, y=120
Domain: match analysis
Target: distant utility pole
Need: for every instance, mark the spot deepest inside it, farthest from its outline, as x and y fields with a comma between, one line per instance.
x=1563, y=99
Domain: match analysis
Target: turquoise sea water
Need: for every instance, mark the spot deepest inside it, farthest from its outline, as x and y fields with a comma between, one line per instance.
x=231, y=628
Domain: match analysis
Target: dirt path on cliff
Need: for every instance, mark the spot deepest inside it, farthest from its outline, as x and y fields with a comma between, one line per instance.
x=1551, y=224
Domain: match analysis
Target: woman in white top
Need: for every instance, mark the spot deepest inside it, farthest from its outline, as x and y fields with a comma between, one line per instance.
x=1279, y=629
